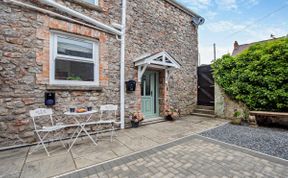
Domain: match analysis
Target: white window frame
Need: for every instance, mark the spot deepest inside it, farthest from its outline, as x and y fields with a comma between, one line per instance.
x=96, y=2
x=54, y=54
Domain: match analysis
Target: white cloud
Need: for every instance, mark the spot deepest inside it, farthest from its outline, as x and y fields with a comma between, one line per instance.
x=227, y=4
x=196, y=4
x=224, y=29
x=220, y=4
x=207, y=53
x=210, y=14
x=224, y=26
x=252, y=2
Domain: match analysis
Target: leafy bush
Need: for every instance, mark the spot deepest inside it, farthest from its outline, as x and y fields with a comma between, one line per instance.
x=258, y=76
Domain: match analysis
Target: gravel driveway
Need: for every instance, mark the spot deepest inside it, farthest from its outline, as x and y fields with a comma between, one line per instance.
x=271, y=141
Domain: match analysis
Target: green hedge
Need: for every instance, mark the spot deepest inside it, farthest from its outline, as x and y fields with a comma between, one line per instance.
x=258, y=76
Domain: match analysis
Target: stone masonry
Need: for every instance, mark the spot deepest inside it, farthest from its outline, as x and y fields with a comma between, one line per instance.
x=158, y=26
x=25, y=54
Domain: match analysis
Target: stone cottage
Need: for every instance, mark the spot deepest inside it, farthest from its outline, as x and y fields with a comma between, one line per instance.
x=78, y=50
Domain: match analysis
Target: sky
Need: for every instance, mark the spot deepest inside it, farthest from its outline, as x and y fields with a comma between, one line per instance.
x=244, y=21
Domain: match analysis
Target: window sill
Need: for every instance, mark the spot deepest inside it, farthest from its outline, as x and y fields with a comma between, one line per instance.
x=88, y=5
x=73, y=88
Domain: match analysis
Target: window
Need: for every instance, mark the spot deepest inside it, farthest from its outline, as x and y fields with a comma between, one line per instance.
x=92, y=1
x=74, y=60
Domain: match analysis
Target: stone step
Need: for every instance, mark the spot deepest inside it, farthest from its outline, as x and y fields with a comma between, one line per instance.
x=205, y=107
x=153, y=121
x=203, y=115
x=204, y=111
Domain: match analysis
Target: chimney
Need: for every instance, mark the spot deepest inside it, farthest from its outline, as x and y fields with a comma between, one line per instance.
x=236, y=45
x=272, y=36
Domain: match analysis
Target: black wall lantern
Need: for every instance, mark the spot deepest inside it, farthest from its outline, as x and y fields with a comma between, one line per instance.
x=131, y=85
x=50, y=99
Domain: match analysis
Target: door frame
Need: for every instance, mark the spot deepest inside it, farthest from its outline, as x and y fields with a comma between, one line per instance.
x=155, y=88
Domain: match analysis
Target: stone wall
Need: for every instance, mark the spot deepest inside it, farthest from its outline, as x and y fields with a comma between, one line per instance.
x=159, y=26
x=225, y=107
x=25, y=54
x=24, y=72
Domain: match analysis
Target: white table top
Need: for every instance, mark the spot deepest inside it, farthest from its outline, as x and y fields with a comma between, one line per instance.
x=80, y=113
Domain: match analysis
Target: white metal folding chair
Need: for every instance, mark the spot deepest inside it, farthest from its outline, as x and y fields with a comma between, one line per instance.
x=110, y=119
x=45, y=126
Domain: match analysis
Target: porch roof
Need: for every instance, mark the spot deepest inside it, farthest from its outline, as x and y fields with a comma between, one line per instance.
x=159, y=60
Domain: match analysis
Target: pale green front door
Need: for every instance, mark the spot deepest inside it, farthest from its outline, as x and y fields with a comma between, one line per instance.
x=150, y=94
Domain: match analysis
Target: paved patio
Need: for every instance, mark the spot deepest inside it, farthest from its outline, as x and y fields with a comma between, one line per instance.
x=19, y=163
x=192, y=156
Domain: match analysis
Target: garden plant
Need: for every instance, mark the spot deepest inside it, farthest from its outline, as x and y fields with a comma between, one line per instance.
x=257, y=77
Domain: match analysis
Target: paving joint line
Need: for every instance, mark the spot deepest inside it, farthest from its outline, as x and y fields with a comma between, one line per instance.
x=249, y=151
x=164, y=146
x=24, y=162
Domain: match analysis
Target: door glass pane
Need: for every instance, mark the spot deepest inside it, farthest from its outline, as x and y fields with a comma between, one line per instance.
x=148, y=85
x=74, y=47
x=142, y=88
x=155, y=94
x=71, y=70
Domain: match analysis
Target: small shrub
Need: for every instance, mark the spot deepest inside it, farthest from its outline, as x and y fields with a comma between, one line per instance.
x=237, y=114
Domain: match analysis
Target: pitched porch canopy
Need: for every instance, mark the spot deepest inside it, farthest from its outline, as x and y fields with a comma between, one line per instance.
x=161, y=60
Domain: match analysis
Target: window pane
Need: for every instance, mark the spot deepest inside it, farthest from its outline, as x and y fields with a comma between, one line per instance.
x=74, y=47
x=71, y=70
x=91, y=1
x=148, y=84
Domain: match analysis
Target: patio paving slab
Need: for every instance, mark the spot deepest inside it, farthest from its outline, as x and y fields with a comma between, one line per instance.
x=12, y=162
x=55, y=149
x=85, y=153
x=192, y=156
x=49, y=166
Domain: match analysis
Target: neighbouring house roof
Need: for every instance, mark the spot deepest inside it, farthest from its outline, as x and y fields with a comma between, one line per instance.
x=161, y=59
x=239, y=48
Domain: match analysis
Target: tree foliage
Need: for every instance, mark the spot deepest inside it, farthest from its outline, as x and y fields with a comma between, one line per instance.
x=258, y=76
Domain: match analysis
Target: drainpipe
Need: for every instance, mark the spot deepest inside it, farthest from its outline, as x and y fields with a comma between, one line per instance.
x=122, y=66
x=81, y=16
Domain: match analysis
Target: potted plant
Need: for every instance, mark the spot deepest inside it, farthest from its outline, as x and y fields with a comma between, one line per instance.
x=237, y=120
x=171, y=114
x=72, y=77
x=136, y=118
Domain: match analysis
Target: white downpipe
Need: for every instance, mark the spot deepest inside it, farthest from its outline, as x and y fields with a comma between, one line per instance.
x=122, y=67
x=81, y=16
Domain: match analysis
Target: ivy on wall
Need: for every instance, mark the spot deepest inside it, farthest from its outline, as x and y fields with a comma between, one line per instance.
x=258, y=76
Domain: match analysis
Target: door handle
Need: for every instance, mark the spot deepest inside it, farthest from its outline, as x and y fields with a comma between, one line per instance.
x=151, y=93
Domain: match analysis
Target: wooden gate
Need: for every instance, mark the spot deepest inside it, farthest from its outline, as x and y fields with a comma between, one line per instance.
x=205, y=86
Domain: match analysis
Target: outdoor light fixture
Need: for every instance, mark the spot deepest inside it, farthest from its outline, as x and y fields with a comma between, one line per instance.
x=50, y=99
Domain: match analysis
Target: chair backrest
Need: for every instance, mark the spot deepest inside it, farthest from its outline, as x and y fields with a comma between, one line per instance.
x=108, y=108
x=40, y=113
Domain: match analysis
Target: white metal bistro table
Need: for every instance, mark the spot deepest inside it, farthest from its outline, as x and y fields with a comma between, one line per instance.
x=81, y=125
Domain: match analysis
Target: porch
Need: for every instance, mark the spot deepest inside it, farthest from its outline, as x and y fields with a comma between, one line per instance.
x=19, y=163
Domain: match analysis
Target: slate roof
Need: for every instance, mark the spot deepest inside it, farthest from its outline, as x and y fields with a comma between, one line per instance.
x=239, y=48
